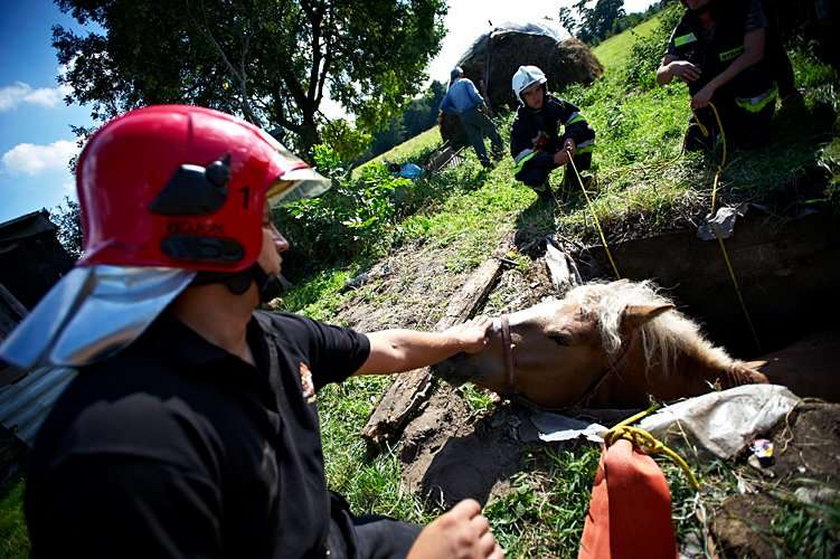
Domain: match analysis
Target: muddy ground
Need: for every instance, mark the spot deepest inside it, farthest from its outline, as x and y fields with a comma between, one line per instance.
x=451, y=451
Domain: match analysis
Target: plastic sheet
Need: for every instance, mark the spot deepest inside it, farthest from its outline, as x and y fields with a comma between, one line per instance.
x=723, y=422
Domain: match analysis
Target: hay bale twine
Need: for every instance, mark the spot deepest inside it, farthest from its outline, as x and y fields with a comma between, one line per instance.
x=496, y=55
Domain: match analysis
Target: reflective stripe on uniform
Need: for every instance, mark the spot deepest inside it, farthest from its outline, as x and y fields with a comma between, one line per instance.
x=523, y=157
x=585, y=147
x=576, y=117
x=759, y=102
x=731, y=54
x=684, y=40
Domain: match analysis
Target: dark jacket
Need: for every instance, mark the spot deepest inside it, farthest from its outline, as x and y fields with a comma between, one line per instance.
x=713, y=39
x=535, y=136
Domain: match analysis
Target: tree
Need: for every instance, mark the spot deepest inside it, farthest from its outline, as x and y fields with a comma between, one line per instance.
x=67, y=218
x=595, y=24
x=269, y=61
x=420, y=115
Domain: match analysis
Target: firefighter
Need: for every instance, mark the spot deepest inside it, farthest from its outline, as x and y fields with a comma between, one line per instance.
x=191, y=428
x=718, y=48
x=536, y=144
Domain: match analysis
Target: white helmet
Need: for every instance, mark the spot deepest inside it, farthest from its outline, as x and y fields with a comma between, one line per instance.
x=525, y=77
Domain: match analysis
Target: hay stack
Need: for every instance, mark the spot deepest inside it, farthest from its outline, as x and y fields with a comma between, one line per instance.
x=495, y=56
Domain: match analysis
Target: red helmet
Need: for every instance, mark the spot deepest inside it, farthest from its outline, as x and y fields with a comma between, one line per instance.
x=182, y=187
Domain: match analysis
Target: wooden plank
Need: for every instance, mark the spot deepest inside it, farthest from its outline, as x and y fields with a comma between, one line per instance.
x=410, y=391
x=11, y=314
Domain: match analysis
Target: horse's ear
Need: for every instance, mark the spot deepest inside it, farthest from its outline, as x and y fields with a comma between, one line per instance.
x=755, y=365
x=637, y=315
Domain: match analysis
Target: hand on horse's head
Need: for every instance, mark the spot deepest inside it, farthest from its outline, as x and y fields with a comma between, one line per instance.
x=470, y=336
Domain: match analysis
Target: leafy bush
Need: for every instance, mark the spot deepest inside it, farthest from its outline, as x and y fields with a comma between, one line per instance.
x=647, y=52
x=348, y=221
x=348, y=141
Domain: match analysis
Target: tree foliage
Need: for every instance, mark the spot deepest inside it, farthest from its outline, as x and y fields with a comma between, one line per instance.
x=348, y=141
x=67, y=217
x=270, y=61
x=420, y=115
x=602, y=20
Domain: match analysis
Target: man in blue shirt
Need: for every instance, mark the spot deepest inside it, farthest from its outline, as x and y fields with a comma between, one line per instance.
x=464, y=100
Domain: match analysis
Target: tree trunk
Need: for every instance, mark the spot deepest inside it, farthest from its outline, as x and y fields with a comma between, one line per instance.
x=309, y=133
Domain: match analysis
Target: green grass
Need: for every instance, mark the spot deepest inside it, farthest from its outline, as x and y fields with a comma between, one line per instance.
x=14, y=539
x=614, y=52
x=542, y=515
x=800, y=529
x=424, y=141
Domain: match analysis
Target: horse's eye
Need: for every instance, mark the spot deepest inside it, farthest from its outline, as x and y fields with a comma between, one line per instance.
x=560, y=338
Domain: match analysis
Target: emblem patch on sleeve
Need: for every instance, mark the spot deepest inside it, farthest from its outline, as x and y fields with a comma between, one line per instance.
x=307, y=387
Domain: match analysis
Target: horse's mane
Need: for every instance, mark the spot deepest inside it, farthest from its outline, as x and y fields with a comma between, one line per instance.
x=664, y=338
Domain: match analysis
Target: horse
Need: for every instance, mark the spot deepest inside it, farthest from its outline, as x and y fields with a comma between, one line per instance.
x=604, y=345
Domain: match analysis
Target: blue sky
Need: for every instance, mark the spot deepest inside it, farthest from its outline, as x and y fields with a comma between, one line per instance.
x=35, y=138
x=36, y=143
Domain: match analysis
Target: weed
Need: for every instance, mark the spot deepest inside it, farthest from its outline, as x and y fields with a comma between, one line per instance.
x=542, y=515
x=14, y=538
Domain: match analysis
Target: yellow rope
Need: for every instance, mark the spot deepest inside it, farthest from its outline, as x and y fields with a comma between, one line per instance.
x=717, y=233
x=594, y=215
x=722, y=135
x=647, y=443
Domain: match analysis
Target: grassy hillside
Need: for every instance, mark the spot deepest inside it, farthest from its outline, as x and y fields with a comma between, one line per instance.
x=406, y=150
x=614, y=52
x=643, y=185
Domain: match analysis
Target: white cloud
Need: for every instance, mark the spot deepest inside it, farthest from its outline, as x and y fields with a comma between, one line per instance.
x=12, y=95
x=47, y=97
x=19, y=92
x=32, y=159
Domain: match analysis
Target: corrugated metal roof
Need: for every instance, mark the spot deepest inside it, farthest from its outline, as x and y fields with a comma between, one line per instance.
x=25, y=404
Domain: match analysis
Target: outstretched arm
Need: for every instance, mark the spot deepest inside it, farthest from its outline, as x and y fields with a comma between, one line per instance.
x=398, y=350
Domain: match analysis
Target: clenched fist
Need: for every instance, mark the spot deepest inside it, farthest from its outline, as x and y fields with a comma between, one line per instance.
x=461, y=533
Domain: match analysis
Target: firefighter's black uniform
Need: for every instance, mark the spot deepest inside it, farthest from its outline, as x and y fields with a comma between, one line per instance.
x=535, y=138
x=711, y=39
x=175, y=448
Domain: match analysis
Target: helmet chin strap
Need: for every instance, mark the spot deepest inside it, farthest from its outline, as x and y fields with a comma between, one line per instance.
x=268, y=285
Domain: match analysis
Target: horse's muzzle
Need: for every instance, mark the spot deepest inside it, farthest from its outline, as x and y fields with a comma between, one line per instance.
x=456, y=370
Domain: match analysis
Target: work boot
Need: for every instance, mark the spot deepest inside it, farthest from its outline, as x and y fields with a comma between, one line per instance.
x=696, y=140
x=543, y=191
x=570, y=181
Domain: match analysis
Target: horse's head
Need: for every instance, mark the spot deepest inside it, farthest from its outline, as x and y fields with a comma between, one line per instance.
x=554, y=353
